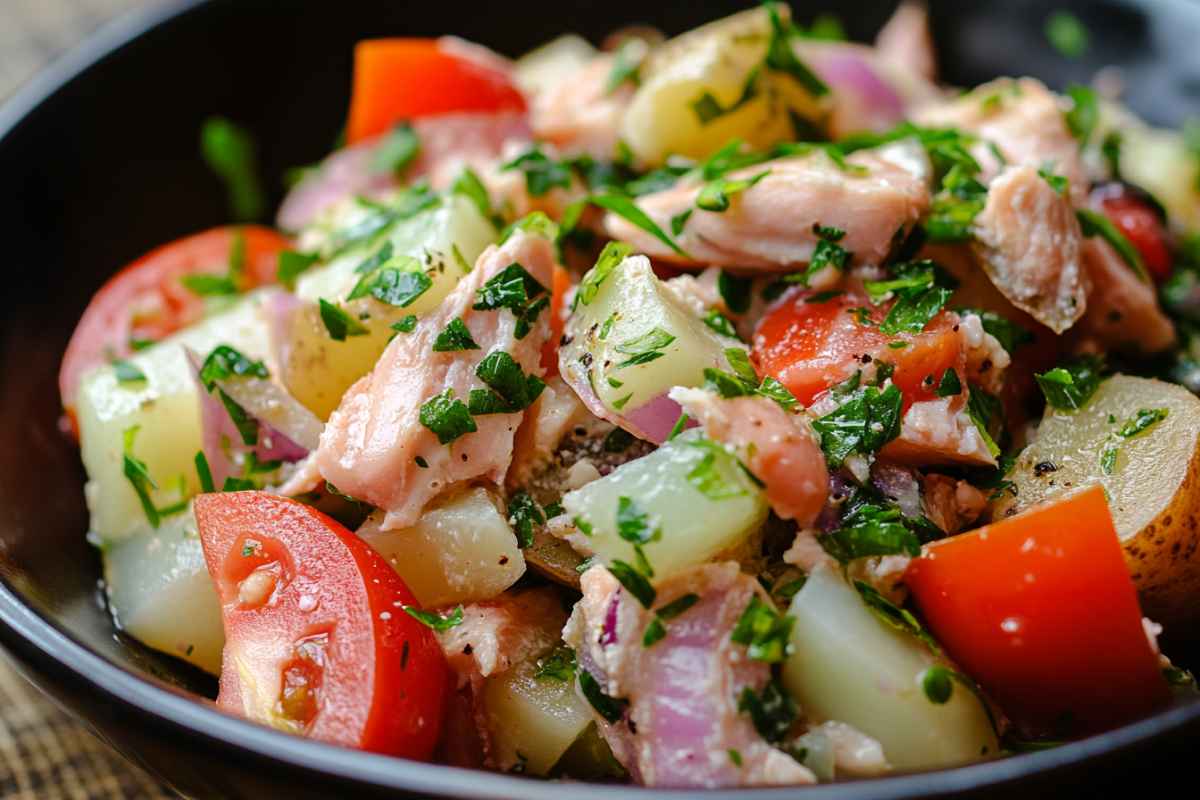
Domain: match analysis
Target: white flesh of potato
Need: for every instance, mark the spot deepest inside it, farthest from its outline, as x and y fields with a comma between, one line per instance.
x=696, y=527
x=848, y=666
x=717, y=59
x=1161, y=163
x=447, y=240
x=167, y=409
x=161, y=594
x=461, y=551
x=638, y=303
x=543, y=68
x=532, y=720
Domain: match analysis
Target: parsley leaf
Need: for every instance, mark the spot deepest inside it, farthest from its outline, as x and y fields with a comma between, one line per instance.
x=455, y=336
x=228, y=150
x=510, y=389
x=292, y=265
x=656, y=630
x=772, y=711
x=782, y=58
x=912, y=311
x=612, y=709
x=625, y=207
x=524, y=514
x=447, y=417
x=396, y=151
x=435, y=621
x=950, y=385
x=627, y=64
x=127, y=372
x=645, y=348
x=208, y=285
x=518, y=291
x=938, y=684
x=863, y=424
x=714, y=195
x=338, y=323
x=634, y=582
x=894, y=616
x=1142, y=421
x=471, y=187
x=1084, y=114
x=204, y=473
x=1093, y=223
x=610, y=257
x=224, y=362
x=871, y=530
x=984, y=409
x=407, y=324
x=558, y=665
x=1067, y=34
x=720, y=323
x=735, y=291
x=707, y=477
x=541, y=173
x=1010, y=335
x=707, y=107
x=398, y=285
x=955, y=207
x=764, y=631
x=1070, y=386
x=633, y=524
x=246, y=425
x=138, y=476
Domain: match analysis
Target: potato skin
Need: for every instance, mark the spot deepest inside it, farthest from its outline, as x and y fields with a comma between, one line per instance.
x=1158, y=471
x=1163, y=557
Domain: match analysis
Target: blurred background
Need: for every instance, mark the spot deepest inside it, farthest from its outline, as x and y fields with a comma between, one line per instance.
x=45, y=754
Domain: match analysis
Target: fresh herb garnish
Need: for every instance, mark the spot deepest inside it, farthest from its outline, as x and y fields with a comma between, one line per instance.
x=509, y=388
x=471, y=187
x=138, y=476
x=204, y=473
x=950, y=385
x=228, y=150
x=246, y=425
x=407, y=324
x=894, y=616
x=871, y=530
x=938, y=684
x=764, y=631
x=612, y=709
x=338, y=323
x=772, y=711
x=1010, y=335
x=1070, y=386
x=634, y=581
x=224, y=363
x=862, y=424
x=627, y=64
x=735, y=291
x=398, y=149
x=955, y=207
x=1093, y=223
x=454, y=337
x=720, y=323
x=292, y=265
x=127, y=372
x=656, y=630
x=206, y=284
x=610, y=257
x=399, y=284
x=447, y=417
x=558, y=665
x=1139, y=423
x=518, y=291
x=1067, y=34
x=541, y=173
x=524, y=514
x=433, y=620
x=714, y=195
x=625, y=207
x=781, y=57
x=645, y=348
x=1084, y=114
x=707, y=477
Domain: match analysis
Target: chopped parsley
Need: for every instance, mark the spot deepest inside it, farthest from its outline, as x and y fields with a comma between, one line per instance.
x=764, y=632
x=714, y=195
x=399, y=149
x=1067, y=34
x=205, y=284
x=735, y=291
x=524, y=514
x=634, y=581
x=781, y=57
x=1070, y=386
x=919, y=297
x=454, y=337
x=228, y=149
x=656, y=630
x=955, y=207
x=1058, y=183
x=771, y=710
x=338, y=323
x=679, y=221
x=471, y=187
x=1084, y=114
x=627, y=64
x=127, y=372
x=224, y=363
x=1139, y=423
x=518, y=291
x=950, y=385
x=139, y=478
x=558, y=665
x=509, y=388
x=645, y=348
x=985, y=409
x=541, y=173
x=610, y=257
x=894, y=616
x=863, y=424
x=720, y=323
x=397, y=285
x=447, y=417
x=870, y=529
x=624, y=207
x=707, y=107
x=292, y=265
x=612, y=709
x=407, y=324
x=706, y=476
x=1010, y=335
x=433, y=620
x=204, y=473
x=246, y=425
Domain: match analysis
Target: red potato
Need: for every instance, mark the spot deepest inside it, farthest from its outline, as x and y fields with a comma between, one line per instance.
x=317, y=641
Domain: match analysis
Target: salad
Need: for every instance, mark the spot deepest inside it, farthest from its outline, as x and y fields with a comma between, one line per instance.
x=740, y=408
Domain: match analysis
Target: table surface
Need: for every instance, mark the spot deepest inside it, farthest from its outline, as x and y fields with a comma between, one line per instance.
x=44, y=753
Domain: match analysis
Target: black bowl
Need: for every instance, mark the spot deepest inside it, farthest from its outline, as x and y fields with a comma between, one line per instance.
x=100, y=162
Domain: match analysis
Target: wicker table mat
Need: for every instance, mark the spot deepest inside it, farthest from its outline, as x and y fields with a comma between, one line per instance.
x=44, y=753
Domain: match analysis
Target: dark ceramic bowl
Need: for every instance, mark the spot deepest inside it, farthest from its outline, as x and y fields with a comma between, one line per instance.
x=99, y=163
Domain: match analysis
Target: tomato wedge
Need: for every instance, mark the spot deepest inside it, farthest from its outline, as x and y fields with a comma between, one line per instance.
x=147, y=301
x=1040, y=609
x=401, y=79
x=810, y=346
x=558, y=293
x=1140, y=223
x=316, y=638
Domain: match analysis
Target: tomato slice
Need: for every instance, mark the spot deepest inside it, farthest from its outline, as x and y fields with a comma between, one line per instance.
x=316, y=638
x=810, y=346
x=399, y=79
x=1040, y=609
x=562, y=284
x=1140, y=223
x=146, y=300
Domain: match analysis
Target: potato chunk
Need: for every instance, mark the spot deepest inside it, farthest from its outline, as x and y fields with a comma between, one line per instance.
x=1150, y=479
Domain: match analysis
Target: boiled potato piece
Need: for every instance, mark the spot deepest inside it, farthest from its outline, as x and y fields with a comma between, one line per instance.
x=713, y=67
x=166, y=408
x=462, y=550
x=632, y=316
x=446, y=240
x=1153, y=489
x=1160, y=162
x=532, y=721
x=696, y=526
x=847, y=665
x=544, y=67
x=160, y=593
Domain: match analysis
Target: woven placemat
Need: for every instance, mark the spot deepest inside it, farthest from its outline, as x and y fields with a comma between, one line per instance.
x=45, y=754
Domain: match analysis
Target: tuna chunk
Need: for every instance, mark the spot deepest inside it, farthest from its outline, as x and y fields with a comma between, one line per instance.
x=1024, y=120
x=770, y=226
x=448, y=143
x=579, y=115
x=952, y=504
x=939, y=432
x=374, y=444
x=1029, y=242
x=777, y=446
x=1122, y=310
x=682, y=720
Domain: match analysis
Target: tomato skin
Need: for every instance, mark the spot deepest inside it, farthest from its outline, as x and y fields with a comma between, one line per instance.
x=1140, y=223
x=334, y=611
x=810, y=347
x=401, y=79
x=558, y=293
x=1041, y=611
x=146, y=299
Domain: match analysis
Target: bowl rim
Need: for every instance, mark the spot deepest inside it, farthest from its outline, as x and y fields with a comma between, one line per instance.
x=31, y=637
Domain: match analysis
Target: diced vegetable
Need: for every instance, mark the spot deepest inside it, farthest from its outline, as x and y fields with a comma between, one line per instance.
x=848, y=665
x=165, y=410
x=710, y=86
x=462, y=550
x=533, y=720
x=160, y=593
x=1148, y=474
x=631, y=340
x=1160, y=162
x=441, y=243
x=402, y=79
x=697, y=500
x=1040, y=609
